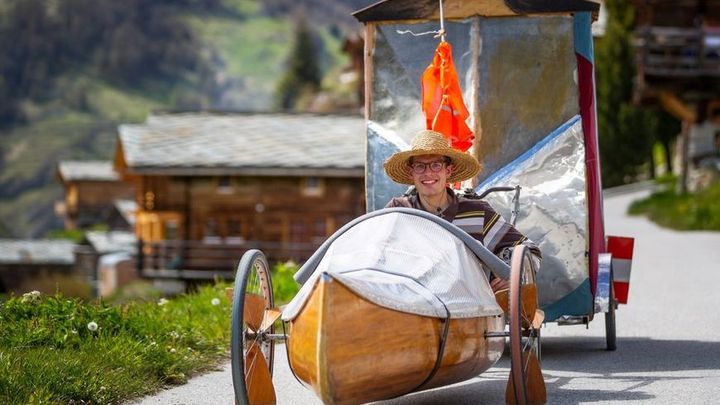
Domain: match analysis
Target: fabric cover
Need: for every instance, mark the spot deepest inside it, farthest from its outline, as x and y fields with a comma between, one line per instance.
x=406, y=263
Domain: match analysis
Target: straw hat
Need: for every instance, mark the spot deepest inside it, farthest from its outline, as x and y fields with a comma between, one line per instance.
x=429, y=142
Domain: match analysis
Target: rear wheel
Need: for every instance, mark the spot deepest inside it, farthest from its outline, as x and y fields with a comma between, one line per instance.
x=610, y=335
x=251, y=353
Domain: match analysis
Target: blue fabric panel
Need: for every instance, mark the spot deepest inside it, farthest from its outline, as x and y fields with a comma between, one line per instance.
x=577, y=303
x=583, y=36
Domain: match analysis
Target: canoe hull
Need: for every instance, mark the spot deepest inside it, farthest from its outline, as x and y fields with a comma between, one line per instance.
x=350, y=350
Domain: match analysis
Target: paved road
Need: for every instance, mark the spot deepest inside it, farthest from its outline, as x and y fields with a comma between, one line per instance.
x=668, y=337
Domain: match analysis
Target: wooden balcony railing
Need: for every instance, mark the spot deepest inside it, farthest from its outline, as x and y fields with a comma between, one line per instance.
x=182, y=259
x=678, y=52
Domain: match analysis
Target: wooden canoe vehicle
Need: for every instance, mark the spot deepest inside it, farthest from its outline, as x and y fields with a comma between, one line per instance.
x=392, y=353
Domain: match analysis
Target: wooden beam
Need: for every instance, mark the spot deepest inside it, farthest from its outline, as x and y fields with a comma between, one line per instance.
x=677, y=108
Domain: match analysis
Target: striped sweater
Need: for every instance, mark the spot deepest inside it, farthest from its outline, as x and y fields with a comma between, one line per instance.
x=480, y=220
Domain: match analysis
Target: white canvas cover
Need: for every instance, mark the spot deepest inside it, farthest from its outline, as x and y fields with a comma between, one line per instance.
x=406, y=263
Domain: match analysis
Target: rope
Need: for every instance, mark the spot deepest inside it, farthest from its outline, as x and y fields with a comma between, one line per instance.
x=441, y=33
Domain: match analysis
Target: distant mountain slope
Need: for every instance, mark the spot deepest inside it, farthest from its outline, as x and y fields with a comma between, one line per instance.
x=243, y=45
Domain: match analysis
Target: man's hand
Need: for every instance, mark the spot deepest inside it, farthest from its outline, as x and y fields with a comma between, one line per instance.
x=498, y=284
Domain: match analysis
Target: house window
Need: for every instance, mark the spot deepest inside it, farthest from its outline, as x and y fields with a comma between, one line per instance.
x=234, y=231
x=211, y=234
x=297, y=231
x=224, y=185
x=171, y=230
x=312, y=186
x=319, y=231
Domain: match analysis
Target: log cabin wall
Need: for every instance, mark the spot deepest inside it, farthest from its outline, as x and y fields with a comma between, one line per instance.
x=227, y=209
x=90, y=202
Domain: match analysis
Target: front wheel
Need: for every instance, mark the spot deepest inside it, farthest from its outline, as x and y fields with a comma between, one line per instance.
x=526, y=384
x=251, y=353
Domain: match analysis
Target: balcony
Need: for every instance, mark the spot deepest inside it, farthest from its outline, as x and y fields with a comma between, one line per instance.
x=671, y=52
x=206, y=260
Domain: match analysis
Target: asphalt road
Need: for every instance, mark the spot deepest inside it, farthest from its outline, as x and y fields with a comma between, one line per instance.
x=668, y=337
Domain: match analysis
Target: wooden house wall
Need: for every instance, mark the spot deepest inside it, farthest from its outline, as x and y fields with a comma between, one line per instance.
x=227, y=209
x=90, y=202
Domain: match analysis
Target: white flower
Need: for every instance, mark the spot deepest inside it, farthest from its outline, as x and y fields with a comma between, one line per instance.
x=31, y=296
x=215, y=301
x=92, y=326
x=173, y=350
x=162, y=301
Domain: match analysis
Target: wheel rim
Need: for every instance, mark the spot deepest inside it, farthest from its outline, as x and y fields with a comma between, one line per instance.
x=524, y=338
x=258, y=284
x=250, y=351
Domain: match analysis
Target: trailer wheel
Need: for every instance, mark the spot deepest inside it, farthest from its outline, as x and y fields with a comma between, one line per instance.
x=251, y=354
x=610, y=335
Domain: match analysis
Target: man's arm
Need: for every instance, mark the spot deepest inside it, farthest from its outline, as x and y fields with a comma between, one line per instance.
x=501, y=237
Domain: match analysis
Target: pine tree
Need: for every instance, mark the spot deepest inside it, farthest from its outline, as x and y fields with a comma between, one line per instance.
x=627, y=132
x=303, y=73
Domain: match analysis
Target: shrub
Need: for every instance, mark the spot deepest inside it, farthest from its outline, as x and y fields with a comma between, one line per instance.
x=284, y=285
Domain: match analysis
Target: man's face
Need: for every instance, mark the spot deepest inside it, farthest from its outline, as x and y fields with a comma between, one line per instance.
x=429, y=183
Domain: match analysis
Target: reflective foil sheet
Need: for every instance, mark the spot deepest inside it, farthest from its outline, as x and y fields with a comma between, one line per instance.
x=553, y=210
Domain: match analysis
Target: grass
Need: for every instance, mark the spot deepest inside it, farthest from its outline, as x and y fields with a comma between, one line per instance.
x=697, y=211
x=51, y=352
x=48, y=352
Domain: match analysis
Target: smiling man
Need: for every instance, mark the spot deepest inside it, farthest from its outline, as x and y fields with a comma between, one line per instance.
x=430, y=165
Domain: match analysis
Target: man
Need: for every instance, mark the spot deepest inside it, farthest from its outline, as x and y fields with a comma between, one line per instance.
x=430, y=165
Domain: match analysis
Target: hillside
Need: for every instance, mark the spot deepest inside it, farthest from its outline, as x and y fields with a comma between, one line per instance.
x=239, y=48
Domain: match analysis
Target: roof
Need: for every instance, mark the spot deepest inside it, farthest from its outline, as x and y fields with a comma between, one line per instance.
x=41, y=251
x=93, y=170
x=393, y=10
x=203, y=143
x=127, y=209
x=112, y=241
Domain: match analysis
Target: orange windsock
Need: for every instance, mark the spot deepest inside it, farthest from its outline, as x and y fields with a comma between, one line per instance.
x=442, y=100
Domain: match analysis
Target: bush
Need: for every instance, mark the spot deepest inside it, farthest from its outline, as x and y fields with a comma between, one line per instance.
x=698, y=211
x=284, y=285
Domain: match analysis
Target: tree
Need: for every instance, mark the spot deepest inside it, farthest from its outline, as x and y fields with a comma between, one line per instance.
x=303, y=73
x=627, y=132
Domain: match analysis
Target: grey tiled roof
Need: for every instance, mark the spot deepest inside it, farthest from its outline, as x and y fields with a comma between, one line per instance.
x=72, y=170
x=18, y=251
x=126, y=208
x=244, y=142
x=112, y=241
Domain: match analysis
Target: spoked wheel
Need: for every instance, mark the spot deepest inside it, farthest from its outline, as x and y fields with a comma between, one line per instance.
x=253, y=315
x=610, y=335
x=526, y=384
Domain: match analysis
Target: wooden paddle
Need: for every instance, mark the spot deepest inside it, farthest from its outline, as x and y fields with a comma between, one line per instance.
x=536, y=392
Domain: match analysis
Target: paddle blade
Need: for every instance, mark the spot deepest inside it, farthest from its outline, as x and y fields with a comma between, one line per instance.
x=258, y=381
x=539, y=318
x=269, y=317
x=536, y=384
x=254, y=310
x=536, y=392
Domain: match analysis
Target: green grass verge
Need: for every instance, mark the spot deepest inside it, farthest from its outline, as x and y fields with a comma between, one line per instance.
x=49, y=352
x=55, y=349
x=698, y=211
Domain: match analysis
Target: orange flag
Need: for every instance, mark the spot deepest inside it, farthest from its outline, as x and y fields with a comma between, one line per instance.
x=442, y=100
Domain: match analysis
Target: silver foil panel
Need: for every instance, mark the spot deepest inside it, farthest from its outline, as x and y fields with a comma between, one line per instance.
x=553, y=207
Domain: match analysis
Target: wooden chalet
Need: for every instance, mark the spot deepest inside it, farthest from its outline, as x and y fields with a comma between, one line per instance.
x=94, y=194
x=678, y=63
x=24, y=262
x=209, y=186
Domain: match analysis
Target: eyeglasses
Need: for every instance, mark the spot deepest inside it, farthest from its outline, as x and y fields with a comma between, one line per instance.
x=420, y=167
